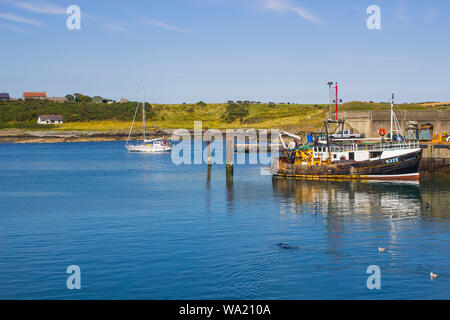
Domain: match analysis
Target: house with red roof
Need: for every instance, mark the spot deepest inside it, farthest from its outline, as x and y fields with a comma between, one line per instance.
x=35, y=95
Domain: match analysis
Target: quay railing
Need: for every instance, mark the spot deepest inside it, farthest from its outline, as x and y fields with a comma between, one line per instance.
x=376, y=146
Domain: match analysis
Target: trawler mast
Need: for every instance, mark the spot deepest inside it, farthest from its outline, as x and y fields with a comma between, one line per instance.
x=395, y=125
x=333, y=86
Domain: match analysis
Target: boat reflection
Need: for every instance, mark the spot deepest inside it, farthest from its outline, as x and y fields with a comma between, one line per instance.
x=371, y=199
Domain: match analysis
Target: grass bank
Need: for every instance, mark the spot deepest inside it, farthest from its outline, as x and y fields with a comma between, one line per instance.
x=117, y=117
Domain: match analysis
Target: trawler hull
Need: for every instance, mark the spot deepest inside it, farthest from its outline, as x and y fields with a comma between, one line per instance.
x=400, y=167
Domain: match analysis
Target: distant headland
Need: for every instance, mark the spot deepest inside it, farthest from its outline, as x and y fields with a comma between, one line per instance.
x=97, y=119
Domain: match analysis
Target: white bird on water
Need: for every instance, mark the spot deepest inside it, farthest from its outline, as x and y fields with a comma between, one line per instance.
x=380, y=249
x=433, y=275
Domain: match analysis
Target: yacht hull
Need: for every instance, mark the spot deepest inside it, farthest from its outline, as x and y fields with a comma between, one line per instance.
x=148, y=149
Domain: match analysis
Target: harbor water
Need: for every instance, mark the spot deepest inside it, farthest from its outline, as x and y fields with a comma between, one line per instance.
x=141, y=227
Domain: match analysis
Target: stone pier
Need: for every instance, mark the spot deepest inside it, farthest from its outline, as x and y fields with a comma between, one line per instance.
x=369, y=122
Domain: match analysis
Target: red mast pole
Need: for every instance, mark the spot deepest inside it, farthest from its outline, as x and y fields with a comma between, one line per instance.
x=336, y=101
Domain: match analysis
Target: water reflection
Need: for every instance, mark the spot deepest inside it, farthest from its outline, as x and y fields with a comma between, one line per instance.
x=435, y=192
x=208, y=190
x=208, y=178
x=430, y=198
x=230, y=192
x=380, y=211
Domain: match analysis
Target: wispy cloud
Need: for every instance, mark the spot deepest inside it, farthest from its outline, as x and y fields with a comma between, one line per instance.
x=6, y=26
x=38, y=6
x=115, y=28
x=431, y=14
x=371, y=57
x=68, y=70
x=44, y=7
x=400, y=12
x=287, y=5
x=19, y=19
x=162, y=25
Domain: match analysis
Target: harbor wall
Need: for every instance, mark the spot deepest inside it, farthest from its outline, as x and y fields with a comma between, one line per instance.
x=436, y=158
x=369, y=122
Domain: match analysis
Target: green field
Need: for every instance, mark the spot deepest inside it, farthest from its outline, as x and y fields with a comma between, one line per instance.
x=22, y=114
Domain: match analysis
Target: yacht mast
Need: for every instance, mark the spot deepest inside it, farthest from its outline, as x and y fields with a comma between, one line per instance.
x=143, y=112
x=132, y=123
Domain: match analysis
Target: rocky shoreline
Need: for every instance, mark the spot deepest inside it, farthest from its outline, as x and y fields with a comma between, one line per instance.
x=53, y=136
x=57, y=136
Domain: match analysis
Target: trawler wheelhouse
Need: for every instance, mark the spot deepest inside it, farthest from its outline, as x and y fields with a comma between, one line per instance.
x=362, y=152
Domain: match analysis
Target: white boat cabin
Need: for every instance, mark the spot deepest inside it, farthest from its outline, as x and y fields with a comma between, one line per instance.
x=357, y=152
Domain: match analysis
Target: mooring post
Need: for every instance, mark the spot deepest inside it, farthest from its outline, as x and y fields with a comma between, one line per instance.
x=229, y=156
x=208, y=148
x=208, y=178
x=208, y=160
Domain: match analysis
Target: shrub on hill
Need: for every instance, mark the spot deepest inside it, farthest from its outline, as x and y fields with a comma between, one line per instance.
x=235, y=111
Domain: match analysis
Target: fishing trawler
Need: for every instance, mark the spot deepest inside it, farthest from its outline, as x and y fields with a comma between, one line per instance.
x=328, y=157
x=150, y=146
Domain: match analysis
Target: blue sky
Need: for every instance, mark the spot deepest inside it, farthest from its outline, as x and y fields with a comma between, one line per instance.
x=217, y=50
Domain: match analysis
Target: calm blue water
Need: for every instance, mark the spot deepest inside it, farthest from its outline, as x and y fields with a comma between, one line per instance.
x=140, y=227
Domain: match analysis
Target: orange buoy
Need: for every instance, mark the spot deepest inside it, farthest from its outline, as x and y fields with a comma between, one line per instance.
x=382, y=132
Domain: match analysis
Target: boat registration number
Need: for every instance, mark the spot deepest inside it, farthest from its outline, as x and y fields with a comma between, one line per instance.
x=392, y=160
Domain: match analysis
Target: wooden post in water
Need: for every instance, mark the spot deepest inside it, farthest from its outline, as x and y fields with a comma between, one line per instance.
x=208, y=178
x=208, y=155
x=229, y=150
x=208, y=148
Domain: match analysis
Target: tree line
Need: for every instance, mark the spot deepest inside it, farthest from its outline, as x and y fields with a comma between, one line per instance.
x=72, y=111
x=79, y=108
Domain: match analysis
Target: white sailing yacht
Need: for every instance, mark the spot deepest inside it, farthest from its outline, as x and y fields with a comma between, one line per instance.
x=150, y=146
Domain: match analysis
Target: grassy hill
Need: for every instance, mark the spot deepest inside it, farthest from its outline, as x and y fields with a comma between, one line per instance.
x=22, y=114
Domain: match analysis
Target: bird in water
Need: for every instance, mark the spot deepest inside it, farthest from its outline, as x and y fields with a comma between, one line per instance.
x=433, y=275
x=380, y=249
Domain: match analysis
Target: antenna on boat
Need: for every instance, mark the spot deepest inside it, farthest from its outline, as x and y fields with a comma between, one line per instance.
x=329, y=84
x=333, y=85
x=336, y=101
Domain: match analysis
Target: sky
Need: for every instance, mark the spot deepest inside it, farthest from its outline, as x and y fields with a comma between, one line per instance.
x=220, y=50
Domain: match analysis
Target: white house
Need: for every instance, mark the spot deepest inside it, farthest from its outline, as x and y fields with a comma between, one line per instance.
x=50, y=119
